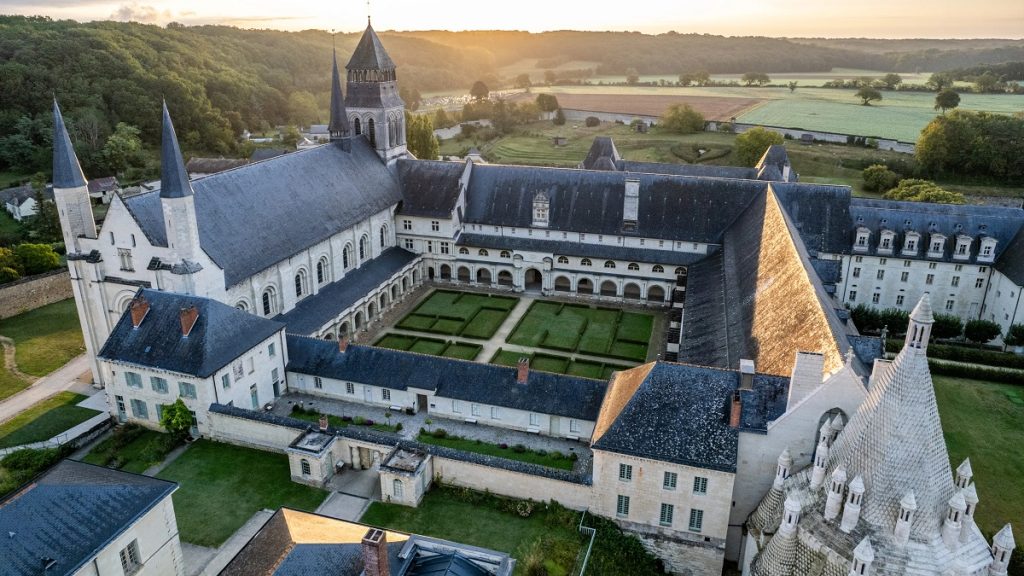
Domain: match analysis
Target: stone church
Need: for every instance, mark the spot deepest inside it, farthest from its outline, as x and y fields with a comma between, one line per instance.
x=232, y=285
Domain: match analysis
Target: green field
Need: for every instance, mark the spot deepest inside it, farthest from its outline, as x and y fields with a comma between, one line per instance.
x=132, y=449
x=45, y=338
x=585, y=329
x=459, y=314
x=45, y=420
x=559, y=364
x=431, y=346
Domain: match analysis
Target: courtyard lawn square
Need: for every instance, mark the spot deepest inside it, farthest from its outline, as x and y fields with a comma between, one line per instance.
x=431, y=346
x=45, y=420
x=463, y=314
x=584, y=329
x=221, y=486
x=559, y=364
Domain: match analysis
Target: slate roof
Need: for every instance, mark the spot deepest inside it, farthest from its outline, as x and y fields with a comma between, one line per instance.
x=310, y=314
x=70, y=513
x=310, y=195
x=704, y=339
x=821, y=214
x=565, y=247
x=452, y=564
x=18, y=194
x=67, y=173
x=429, y=188
x=1011, y=262
x=702, y=170
x=174, y=182
x=671, y=412
x=867, y=348
x=206, y=166
x=261, y=154
x=543, y=392
x=370, y=53
x=670, y=207
x=99, y=185
x=220, y=335
x=602, y=148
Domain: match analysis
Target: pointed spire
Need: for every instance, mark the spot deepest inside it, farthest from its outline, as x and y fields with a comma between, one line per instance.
x=923, y=311
x=864, y=551
x=339, y=126
x=173, y=177
x=964, y=473
x=67, y=173
x=1004, y=538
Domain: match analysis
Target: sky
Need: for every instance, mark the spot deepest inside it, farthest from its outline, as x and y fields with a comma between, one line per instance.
x=818, y=18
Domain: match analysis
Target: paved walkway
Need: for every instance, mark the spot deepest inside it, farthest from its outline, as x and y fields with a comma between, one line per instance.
x=71, y=375
x=352, y=491
x=97, y=401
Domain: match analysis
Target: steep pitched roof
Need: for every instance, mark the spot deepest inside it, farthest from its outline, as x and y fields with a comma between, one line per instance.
x=429, y=188
x=206, y=166
x=602, y=155
x=310, y=195
x=220, y=335
x=71, y=513
x=67, y=173
x=1011, y=260
x=370, y=53
x=339, y=126
x=174, y=181
x=566, y=247
x=820, y=213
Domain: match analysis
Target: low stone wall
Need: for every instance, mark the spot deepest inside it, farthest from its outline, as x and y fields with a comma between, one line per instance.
x=34, y=291
x=510, y=483
x=252, y=429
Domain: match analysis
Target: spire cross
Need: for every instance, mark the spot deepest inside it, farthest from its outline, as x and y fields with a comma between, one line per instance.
x=367, y=12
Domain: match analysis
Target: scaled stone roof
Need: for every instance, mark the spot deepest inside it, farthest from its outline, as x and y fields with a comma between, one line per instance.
x=701, y=170
x=174, y=181
x=370, y=53
x=205, y=166
x=67, y=173
x=220, y=335
x=70, y=513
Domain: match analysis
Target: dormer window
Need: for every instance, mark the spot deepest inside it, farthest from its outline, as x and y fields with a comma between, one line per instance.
x=886, y=241
x=631, y=204
x=963, y=247
x=987, y=252
x=861, y=243
x=540, y=210
x=935, y=244
x=910, y=243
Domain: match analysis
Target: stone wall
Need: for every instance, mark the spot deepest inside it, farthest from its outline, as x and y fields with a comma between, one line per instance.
x=254, y=431
x=33, y=292
x=684, y=556
x=510, y=483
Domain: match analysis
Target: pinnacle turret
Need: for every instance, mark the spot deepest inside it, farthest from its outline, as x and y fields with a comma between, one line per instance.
x=174, y=181
x=339, y=126
x=67, y=172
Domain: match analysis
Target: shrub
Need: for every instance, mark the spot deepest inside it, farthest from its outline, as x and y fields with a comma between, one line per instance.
x=346, y=418
x=947, y=326
x=518, y=448
x=915, y=190
x=982, y=331
x=524, y=508
x=878, y=178
x=398, y=427
x=359, y=420
x=368, y=422
x=37, y=258
x=592, y=121
x=440, y=433
x=1015, y=335
x=559, y=119
x=682, y=119
x=503, y=446
x=753, y=143
x=975, y=372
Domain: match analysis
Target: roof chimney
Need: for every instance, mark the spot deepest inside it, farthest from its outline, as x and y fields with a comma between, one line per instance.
x=324, y=423
x=523, y=371
x=188, y=319
x=343, y=344
x=735, y=409
x=375, y=553
x=139, y=307
x=746, y=374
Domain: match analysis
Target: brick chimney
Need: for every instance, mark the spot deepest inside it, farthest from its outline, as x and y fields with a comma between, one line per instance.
x=747, y=374
x=323, y=423
x=523, y=370
x=343, y=344
x=139, y=307
x=375, y=553
x=735, y=409
x=188, y=318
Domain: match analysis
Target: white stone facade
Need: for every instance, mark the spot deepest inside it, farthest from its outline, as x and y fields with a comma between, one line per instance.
x=156, y=536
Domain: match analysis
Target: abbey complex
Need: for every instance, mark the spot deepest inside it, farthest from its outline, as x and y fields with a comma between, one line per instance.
x=764, y=429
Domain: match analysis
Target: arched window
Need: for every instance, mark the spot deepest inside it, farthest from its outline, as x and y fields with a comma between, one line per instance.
x=321, y=271
x=609, y=264
x=241, y=305
x=585, y=262
x=563, y=260
x=346, y=257
x=371, y=132
x=383, y=236
x=463, y=250
x=306, y=471
x=269, y=301
x=506, y=254
x=300, y=283
x=363, y=247
x=482, y=252
x=397, y=489
x=633, y=266
x=357, y=126
x=658, y=269
x=680, y=271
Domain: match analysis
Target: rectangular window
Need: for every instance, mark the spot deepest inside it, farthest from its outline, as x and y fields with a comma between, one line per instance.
x=904, y=276
x=435, y=225
x=254, y=397
x=474, y=409
x=853, y=296
x=318, y=382
x=700, y=485
x=158, y=384
x=956, y=281
x=250, y=365
x=494, y=413
x=408, y=244
x=880, y=275
x=669, y=483
x=239, y=370
x=929, y=279
x=456, y=407
x=882, y=261
x=696, y=520
x=899, y=300
x=949, y=304
x=385, y=394
x=906, y=263
x=534, y=419
x=133, y=380
x=858, y=258
x=430, y=245
x=272, y=349
x=125, y=255
x=407, y=224
x=140, y=410
x=159, y=412
x=275, y=376
x=622, y=506
x=625, y=472
x=982, y=269
x=350, y=388
x=445, y=248
x=574, y=426
x=186, y=390
x=225, y=381
x=131, y=560
x=666, y=515
x=875, y=297
x=856, y=272
x=979, y=282
x=931, y=265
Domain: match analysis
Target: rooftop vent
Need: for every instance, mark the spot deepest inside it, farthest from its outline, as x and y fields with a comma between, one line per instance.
x=523, y=370
x=746, y=374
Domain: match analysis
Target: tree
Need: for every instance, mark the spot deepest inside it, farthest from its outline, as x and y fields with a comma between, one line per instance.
x=36, y=258
x=547, y=102
x=685, y=79
x=946, y=100
x=792, y=86
x=963, y=143
x=939, y=81
x=177, y=419
x=982, y=331
x=753, y=143
x=592, y=121
x=411, y=97
x=701, y=78
x=522, y=81
x=947, y=326
x=867, y=94
x=878, y=178
x=559, y=118
x=419, y=136
x=10, y=266
x=479, y=91
x=891, y=81
x=302, y=108
x=549, y=77
x=759, y=78
x=916, y=190
x=44, y=225
x=632, y=76
x=1014, y=335
x=442, y=120
x=682, y=119
x=988, y=82
x=123, y=148
x=290, y=136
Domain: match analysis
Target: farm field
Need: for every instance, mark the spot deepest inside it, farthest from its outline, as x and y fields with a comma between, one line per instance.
x=713, y=108
x=579, y=328
x=459, y=314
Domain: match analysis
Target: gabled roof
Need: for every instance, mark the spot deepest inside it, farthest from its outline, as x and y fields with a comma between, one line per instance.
x=97, y=185
x=205, y=166
x=569, y=248
x=310, y=195
x=429, y=188
x=67, y=173
x=370, y=53
x=174, y=181
x=17, y=195
x=1011, y=260
x=70, y=513
x=220, y=335
x=602, y=155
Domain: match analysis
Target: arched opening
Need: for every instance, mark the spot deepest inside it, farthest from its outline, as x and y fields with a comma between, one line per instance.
x=364, y=248
x=585, y=286
x=608, y=288
x=358, y=321
x=397, y=489
x=562, y=284
x=321, y=271
x=483, y=276
x=482, y=252
x=300, y=284
x=658, y=269
x=328, y=336
x=357, y=125
x=346, y=257
x=383, y=301
x=269, y=301
x=504, y=278
x=430, y=274
x=828, y=417
x=383, y=236
x=405, y=281
x=463, y=274
x=633, y=267
x=656, y=294
x=446, y=272
x=631, y=291
x=464, y=251
x=344, y=330
x=415, y=276
x=371, y=131
x=371, y=311
x=534, y=279
x=394, y=291
x=680, y=271
x=241, y=305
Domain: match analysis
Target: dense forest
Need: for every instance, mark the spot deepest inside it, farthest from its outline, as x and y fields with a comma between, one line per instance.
x=218, y=81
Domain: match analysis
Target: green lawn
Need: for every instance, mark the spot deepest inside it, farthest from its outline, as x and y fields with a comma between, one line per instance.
x=340, y=422
x=559, y=364
x=459, y=314
x=132, y=449
x=45, y=338
x=985, y=421
x=10, y=384
x=584, y=329
x=549, y=459
x=45, y=420
x=222, y=486
x=432, y=346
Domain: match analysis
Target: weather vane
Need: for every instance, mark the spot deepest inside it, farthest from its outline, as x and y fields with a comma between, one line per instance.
x=368, y=11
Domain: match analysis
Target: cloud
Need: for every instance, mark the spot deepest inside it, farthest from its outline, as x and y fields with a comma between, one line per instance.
x=135, y=12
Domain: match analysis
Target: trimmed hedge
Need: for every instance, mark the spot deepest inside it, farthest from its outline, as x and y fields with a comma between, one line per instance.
x=976, y=373
x=964, y=354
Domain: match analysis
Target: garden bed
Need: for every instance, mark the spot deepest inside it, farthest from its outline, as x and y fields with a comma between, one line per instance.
x=585, y=329
x=518, y=452
x=308, y=415
x=431, y=346
x=45, y=420
x=464, y=314
x=559, y=364
x=132, y=448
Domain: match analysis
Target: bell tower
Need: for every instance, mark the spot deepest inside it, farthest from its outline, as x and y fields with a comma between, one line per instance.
x=375, y=109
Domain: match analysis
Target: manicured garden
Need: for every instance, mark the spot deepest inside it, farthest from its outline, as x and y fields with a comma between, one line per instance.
x=431, y=346
x=463, y=314
x=585, y=329
x=518, y=452
x=132, y=448
x=45, y=420
x=222, y=486
x=559, y=364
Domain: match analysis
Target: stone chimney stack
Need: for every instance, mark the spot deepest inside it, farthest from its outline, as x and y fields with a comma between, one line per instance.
x=188, y=318
x=746, y=374
x=324, y=423
x=971, y=497
x=785, y=464
x=954, y=521
x=139, y=308
x=523, y=370
x=375, y=553
x=863, y=556
x=820, y=457
x=343, y=344
x=964, y=473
